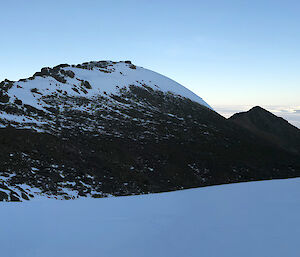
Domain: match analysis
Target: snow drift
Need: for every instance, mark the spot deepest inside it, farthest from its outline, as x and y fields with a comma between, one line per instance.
x=246, y=219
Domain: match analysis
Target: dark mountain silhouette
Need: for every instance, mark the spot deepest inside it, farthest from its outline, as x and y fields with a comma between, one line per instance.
x=270, y=127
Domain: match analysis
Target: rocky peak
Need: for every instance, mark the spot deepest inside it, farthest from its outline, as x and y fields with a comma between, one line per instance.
x=268, y=126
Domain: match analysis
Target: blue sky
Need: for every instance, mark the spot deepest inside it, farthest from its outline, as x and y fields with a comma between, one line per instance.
x=228, y=52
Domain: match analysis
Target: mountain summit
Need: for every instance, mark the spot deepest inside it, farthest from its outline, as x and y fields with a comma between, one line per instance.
x=112, y=128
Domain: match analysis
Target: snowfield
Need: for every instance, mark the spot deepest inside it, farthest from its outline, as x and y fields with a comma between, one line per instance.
x=257, y=219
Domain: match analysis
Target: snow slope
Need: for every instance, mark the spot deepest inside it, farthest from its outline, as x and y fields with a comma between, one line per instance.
x=108, y=80
x=256, y=219
x=104, y=78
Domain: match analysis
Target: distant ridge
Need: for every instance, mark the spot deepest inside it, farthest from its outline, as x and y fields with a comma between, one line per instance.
x=270, y=127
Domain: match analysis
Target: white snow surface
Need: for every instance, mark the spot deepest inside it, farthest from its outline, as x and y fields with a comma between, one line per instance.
x=255, y=219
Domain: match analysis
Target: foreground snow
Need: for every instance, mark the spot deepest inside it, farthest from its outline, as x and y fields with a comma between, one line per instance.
x=246, y=219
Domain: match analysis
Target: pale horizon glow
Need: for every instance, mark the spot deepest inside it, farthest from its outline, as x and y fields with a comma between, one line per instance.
x=228, y=52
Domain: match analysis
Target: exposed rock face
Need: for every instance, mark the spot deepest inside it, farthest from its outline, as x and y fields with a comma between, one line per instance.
x=107, y=128
x=270, y=127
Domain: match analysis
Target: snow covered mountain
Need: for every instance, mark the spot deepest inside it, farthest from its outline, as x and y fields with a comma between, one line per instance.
x=112, y=128
x=96, y=82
